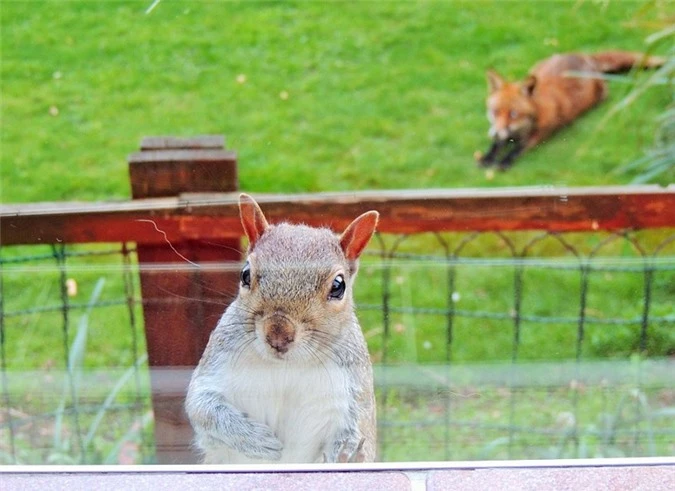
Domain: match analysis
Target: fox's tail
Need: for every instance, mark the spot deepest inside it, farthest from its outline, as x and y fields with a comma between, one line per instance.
x=624, y=61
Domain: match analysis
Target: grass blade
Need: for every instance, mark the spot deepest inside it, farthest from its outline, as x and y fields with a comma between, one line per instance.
x=110, y=398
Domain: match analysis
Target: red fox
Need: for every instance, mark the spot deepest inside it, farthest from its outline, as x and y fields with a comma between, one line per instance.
x=524, y=113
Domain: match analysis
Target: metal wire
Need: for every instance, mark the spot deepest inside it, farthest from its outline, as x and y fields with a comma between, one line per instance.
x=516, y=253
x=71, y=410
x=131, y=302
x=60, y=257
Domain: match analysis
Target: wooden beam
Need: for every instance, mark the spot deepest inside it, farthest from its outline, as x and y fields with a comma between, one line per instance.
x=208, y=216
x=181, y=306
x=167, y=166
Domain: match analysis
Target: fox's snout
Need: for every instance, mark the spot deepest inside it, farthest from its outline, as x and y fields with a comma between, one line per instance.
x=506, y=126
x=499, y=133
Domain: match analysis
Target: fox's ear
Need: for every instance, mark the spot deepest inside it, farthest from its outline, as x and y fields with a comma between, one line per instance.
x=495, y=81
x=252, y=219
x=356, y=236
x=528, y=85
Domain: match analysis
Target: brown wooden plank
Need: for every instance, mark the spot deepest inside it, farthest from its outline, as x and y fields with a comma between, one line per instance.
x=486, y=210
x=182, y=305
x=209, y=216
x=156, y=173
x=190, y=297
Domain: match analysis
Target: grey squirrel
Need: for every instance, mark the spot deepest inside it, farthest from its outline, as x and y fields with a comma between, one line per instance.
x=286, y=375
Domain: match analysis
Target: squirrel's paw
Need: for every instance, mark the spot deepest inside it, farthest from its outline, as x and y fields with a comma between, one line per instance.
x=254, y=440
x=345, y=455
x=261, y=442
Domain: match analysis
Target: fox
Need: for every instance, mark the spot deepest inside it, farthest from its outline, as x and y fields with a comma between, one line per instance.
x=522, y=114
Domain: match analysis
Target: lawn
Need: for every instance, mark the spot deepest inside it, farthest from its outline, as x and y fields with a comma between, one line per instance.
x=314, y=96
x=325, y=96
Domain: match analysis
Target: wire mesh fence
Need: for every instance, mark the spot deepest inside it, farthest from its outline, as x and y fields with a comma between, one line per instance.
x=485, y=345
x=74, y=370
x=523, y=345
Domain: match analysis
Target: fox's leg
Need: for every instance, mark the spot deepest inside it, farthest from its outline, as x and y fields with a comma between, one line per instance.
x=489, y=158
x=519, y=147
x=507, y=160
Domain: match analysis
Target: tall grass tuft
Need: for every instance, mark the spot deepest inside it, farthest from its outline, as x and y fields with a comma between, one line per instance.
x=80, y=434
x=71, y=384
x=659, y=158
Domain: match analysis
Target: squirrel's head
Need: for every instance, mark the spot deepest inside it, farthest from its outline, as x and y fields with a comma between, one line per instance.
x=297, y=281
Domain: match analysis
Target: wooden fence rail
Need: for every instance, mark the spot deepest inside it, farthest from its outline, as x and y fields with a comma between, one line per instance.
x=176, y=214
x=207, y=216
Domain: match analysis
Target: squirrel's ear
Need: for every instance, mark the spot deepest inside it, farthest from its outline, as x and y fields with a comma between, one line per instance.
x=356, y=236
x=495, y=81
x=252, y=219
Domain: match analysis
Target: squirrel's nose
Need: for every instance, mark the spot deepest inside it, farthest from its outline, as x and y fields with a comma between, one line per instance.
x=280, y=336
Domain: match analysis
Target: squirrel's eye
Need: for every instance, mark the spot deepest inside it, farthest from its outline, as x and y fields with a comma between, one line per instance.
x=513, y=114
x=337, y=289
x=246, y=275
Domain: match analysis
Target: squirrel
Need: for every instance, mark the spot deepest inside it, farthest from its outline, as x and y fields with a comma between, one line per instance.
x=286, y=376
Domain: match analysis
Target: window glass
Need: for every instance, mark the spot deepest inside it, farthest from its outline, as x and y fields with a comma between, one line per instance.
x=515, y=300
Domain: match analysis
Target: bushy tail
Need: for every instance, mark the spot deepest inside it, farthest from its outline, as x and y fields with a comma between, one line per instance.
x=624, y=61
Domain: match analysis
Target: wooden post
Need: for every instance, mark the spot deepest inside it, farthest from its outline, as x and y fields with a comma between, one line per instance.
x=182, y=297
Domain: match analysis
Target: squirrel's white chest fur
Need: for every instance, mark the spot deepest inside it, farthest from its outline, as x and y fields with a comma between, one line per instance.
x=304, y=405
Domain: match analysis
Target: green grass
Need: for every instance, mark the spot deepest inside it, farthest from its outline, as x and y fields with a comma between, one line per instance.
x=475, y=423
x=402, y=79
x=380, y=94
x=525, y=411
x=484, y=324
